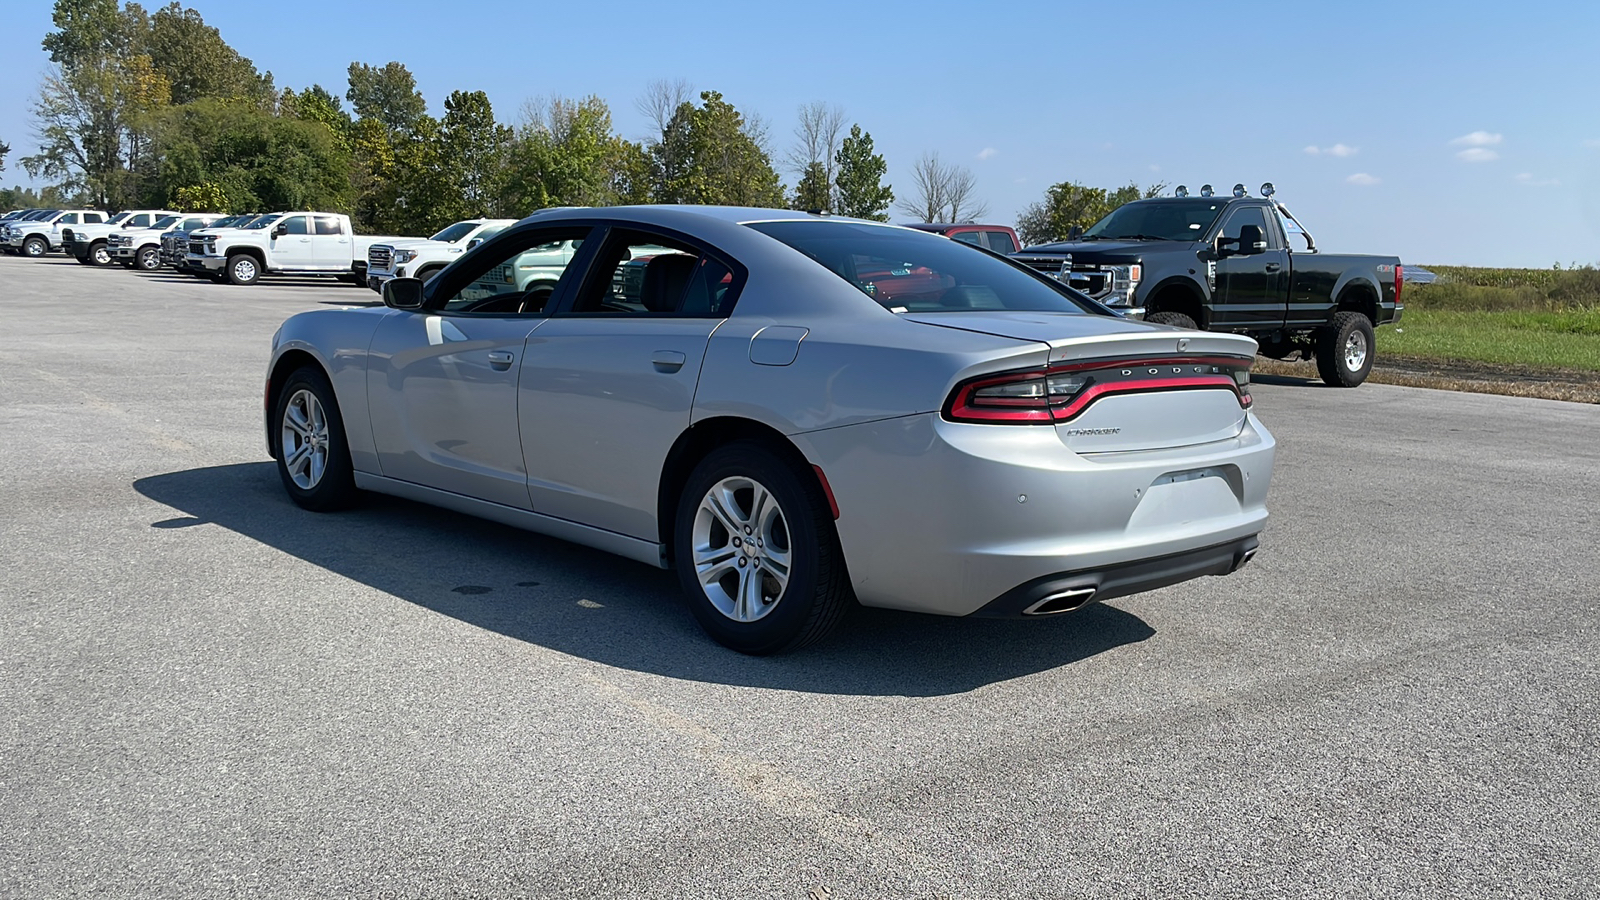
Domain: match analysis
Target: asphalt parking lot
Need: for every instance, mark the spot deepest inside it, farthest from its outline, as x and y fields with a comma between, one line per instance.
x=208, y=692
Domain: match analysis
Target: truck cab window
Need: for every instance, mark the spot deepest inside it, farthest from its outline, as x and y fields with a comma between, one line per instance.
x=1250, y=215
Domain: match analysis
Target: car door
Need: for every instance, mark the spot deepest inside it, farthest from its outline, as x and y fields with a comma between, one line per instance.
x=443, y=380
x=292, y=247
x=331, y=244
x=608, y=383
x=1249, y=291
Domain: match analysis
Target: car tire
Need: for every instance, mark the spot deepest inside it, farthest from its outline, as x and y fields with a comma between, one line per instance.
x=84, y=260
x=796, y=561
x=243, y=269
x=1171, y=318
x=1345, y=350
x=309, y=442
x=148, y=259
x=429, y=272
x=35, y=247
x=99, y=255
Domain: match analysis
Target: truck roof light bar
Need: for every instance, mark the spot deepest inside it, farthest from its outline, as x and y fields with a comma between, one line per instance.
x=1239, y=191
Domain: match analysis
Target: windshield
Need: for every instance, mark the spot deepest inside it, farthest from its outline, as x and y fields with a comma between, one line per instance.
x=264, y=221
x=1158, y=220
x=165, y=221
x=455, y=232
x=912, y=271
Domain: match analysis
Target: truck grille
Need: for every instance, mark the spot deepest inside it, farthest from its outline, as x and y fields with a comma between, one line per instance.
x=1086, y=278
x=198, y=248
x=380, y=257
x=118, y=240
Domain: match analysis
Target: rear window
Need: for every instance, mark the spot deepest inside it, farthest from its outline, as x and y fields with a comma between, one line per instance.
x=910, y=271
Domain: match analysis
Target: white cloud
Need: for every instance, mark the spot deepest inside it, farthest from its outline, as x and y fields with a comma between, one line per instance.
x=988, y=153
x=1477, y=154
x=1528, y=179
x=1477, y=139
x=1340, y=150
x=1363, y=179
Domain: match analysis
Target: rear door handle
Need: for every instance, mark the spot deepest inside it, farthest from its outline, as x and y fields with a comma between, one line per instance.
x=1273, y=267
x=667, y=360
x=500, y=359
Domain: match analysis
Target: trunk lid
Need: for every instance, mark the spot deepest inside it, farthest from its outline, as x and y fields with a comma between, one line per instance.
x=1140, y=386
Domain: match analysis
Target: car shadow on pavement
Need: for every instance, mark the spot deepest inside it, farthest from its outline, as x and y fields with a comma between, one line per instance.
x=596, y=606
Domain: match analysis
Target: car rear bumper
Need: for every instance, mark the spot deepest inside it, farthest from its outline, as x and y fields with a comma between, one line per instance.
x=954, y=519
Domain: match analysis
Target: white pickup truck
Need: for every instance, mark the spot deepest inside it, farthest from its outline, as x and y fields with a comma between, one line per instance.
x=88, y=243
x=141, y=247
x=295, y=243
x=38, y=234
x=424, y=258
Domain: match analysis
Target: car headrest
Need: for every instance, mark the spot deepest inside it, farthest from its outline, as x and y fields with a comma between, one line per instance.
x=665, y=279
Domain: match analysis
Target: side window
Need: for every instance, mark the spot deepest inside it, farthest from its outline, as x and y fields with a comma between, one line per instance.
x=643, y=274
x=329, y=225
x=297, y=225
x=969, y=237
x=93, y=218
x=521, y=276
x=142, y=220
x=1248, y=216
x=1000, y=242
x=68, y=219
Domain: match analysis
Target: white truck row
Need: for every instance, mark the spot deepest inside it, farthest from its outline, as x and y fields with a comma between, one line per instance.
x=241, y=249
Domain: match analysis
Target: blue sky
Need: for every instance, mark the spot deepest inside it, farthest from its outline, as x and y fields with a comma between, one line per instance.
x=1459, y=132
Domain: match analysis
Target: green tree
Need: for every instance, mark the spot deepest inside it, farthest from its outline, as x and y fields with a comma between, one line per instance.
x=1069, y=204
x=5, y=148
x=388, y=94
x=859, y=182
x=235, y=153
x=97, y=105
x=472, y=152
x=197, y=61
x=712, y=154
x=566, y=154
x=813, y=192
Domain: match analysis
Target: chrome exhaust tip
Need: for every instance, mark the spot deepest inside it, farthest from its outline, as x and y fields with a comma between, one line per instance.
x=1061, y=602
x=1244, y=558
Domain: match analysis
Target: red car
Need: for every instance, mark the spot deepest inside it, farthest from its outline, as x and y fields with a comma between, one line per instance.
x=999, y=238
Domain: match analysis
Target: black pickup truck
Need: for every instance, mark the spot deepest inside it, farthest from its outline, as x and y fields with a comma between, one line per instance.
x=1225, y=264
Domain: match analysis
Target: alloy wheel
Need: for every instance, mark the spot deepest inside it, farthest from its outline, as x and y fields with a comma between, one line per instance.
x=244, y=270
x=741, y=548
x=101, y=256
x=1355, y=351
x=304, y=440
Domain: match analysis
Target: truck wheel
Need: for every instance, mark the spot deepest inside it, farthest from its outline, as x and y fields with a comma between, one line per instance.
x=242, y=268
x=35, y=247
x=149, y=259
x=429, y=272
x=98, y=254
x=1171, y=318
x=1344, y=350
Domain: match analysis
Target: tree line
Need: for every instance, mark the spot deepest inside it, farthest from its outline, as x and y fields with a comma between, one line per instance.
x=156, y=110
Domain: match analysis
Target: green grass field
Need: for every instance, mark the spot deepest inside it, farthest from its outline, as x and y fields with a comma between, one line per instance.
x=1564, y=340
x=1541, y=318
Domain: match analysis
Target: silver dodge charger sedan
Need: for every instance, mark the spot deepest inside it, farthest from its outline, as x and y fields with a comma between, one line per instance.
x=795, y=412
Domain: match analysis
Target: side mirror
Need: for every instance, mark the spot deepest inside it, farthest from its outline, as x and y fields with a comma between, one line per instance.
x=403, y=293
x=1074, y=232
x=1251, y=240
x=280, y=230
x=474, y=242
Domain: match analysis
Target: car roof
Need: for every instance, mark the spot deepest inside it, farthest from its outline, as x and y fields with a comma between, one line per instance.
x=945, y=226
x=681, y=214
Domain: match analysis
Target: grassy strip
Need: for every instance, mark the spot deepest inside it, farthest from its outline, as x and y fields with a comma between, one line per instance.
x=1544, y=384
x=1567, y=339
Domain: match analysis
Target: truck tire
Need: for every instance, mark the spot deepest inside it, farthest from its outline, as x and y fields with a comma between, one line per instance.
x=242, y=268
x=148, y=259
x=98, y=254
x=1172, y=318
x=35, y=247
x=1345, y=350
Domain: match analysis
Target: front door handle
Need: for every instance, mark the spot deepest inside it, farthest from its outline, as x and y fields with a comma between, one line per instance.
x=500, y=359
x=667, y=360
x=1273, y=267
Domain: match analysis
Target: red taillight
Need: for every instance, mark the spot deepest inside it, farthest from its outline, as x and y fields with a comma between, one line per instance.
x=1060, y=393
x=1399, y=271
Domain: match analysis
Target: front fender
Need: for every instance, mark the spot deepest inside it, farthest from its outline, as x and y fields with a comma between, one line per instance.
x=339, y=341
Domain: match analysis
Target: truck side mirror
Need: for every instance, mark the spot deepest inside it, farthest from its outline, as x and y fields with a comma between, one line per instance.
x=280, y=229
x=474, y=242
x=1074, y=232
x=1251, y=240
x=403, y=293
